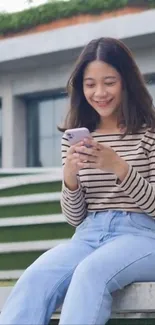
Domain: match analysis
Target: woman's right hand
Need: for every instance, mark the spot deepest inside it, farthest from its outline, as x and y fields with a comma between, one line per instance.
x=71, y=167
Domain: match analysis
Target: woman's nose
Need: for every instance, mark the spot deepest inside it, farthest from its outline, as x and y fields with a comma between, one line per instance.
x=101, y=92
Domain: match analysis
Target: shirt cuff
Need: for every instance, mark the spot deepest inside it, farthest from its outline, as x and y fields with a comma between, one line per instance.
x=68, y=191
x=128, y=180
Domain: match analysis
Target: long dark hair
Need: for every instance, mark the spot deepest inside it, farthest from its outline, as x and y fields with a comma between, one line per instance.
x=137, y=106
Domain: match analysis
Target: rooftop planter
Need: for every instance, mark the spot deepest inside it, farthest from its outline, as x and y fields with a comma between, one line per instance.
x=12, y=23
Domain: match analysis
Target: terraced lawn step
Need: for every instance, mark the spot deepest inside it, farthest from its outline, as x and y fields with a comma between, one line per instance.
x=32, y=198
x=14, y=181
x=7, y=276
x=30, y=171
x=30, y=209
x=36, y=188
x=18, y=260
x=32, y=220
x=4, y=293
x=35, y=232
x=30, y=246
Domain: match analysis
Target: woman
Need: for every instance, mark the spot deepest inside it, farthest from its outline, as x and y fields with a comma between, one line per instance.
x=108, y=194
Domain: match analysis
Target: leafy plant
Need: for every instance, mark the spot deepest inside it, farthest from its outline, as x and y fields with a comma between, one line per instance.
x=58, y=9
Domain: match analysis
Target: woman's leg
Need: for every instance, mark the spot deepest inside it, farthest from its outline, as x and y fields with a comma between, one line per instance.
x=119, y=262
x=42, y=287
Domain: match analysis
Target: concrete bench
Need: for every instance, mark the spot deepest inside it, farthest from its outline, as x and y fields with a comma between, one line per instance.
x=135, y=301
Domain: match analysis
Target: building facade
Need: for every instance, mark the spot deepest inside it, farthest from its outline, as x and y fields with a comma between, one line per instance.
x=34, y=69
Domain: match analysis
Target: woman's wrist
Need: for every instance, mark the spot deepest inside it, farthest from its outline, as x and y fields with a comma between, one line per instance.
x=70, y=180
x=121, y=169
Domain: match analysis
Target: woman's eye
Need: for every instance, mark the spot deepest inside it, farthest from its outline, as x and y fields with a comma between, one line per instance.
x=90, y=85
x=110, y=83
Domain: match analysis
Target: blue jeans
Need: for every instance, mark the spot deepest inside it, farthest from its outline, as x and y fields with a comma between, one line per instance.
x=108, y=251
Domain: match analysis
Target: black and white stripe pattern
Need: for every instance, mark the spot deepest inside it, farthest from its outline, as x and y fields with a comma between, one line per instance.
x=99, y=190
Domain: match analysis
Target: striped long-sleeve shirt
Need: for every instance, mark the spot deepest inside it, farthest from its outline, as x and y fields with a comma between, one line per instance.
x=99, y=190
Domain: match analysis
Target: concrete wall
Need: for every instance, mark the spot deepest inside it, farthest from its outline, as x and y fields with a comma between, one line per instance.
x=57, y=40
x=13, y=130
x=45, y=78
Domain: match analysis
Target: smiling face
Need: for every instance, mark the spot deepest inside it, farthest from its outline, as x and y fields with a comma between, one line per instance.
x=102, y=86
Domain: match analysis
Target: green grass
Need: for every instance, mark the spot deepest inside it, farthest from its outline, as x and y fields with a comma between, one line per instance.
x=14, y=174
x=17, y=261
x=7, y=283
x=32, y=188
x=35, y=232
x=10, y=175
x=30, y=209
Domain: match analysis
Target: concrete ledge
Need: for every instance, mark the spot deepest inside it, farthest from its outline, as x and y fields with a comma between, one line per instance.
x=136, y=297
x=15, y=181
x=30, y=246
x=31, y=171
x=30, y=198
x=135, y=301
x=10, y=275
x=73, y=37
x=32, y=220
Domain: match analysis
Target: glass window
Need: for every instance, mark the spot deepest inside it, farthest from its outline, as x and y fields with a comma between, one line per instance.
x=151, y=89
x=150, y=82
x=43, y=138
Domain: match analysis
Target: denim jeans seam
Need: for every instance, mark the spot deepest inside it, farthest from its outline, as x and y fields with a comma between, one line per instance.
x=98, y=307
x=124, y=267
x=58, y=284
x=106, y=283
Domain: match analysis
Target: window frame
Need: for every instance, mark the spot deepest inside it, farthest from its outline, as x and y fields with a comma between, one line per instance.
x=34, y=101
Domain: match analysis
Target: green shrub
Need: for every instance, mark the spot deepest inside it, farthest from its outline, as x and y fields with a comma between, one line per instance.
x=55, y=10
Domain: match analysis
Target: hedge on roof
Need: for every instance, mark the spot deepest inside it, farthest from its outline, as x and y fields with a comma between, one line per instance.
x=55, y=10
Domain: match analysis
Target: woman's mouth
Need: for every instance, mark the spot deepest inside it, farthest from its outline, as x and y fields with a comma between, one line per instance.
x=103, y=103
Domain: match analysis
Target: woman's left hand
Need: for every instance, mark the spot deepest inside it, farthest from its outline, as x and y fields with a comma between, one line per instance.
x=101, y=156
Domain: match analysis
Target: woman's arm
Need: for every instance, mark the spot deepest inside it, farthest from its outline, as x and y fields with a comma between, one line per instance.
x=142, y=191
x=72, y=201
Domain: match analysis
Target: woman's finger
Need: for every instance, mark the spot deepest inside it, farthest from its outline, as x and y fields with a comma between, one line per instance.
x=72, y=148
x=87, y=151
x=84, y=157
x=87, y=164
x=92, y=143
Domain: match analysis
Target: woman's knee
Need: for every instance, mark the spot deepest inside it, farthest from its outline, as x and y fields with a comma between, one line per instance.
x=31, y=278
x=85, y=270
x=46, y=273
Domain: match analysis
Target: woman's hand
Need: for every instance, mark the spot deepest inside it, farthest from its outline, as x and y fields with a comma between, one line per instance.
x=72, y=166
x=72, y=163
x=95, y=155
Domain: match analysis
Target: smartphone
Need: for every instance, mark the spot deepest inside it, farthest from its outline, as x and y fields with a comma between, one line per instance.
x=76, y=135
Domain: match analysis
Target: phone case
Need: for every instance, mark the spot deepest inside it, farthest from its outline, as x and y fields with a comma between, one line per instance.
x=76, y=135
